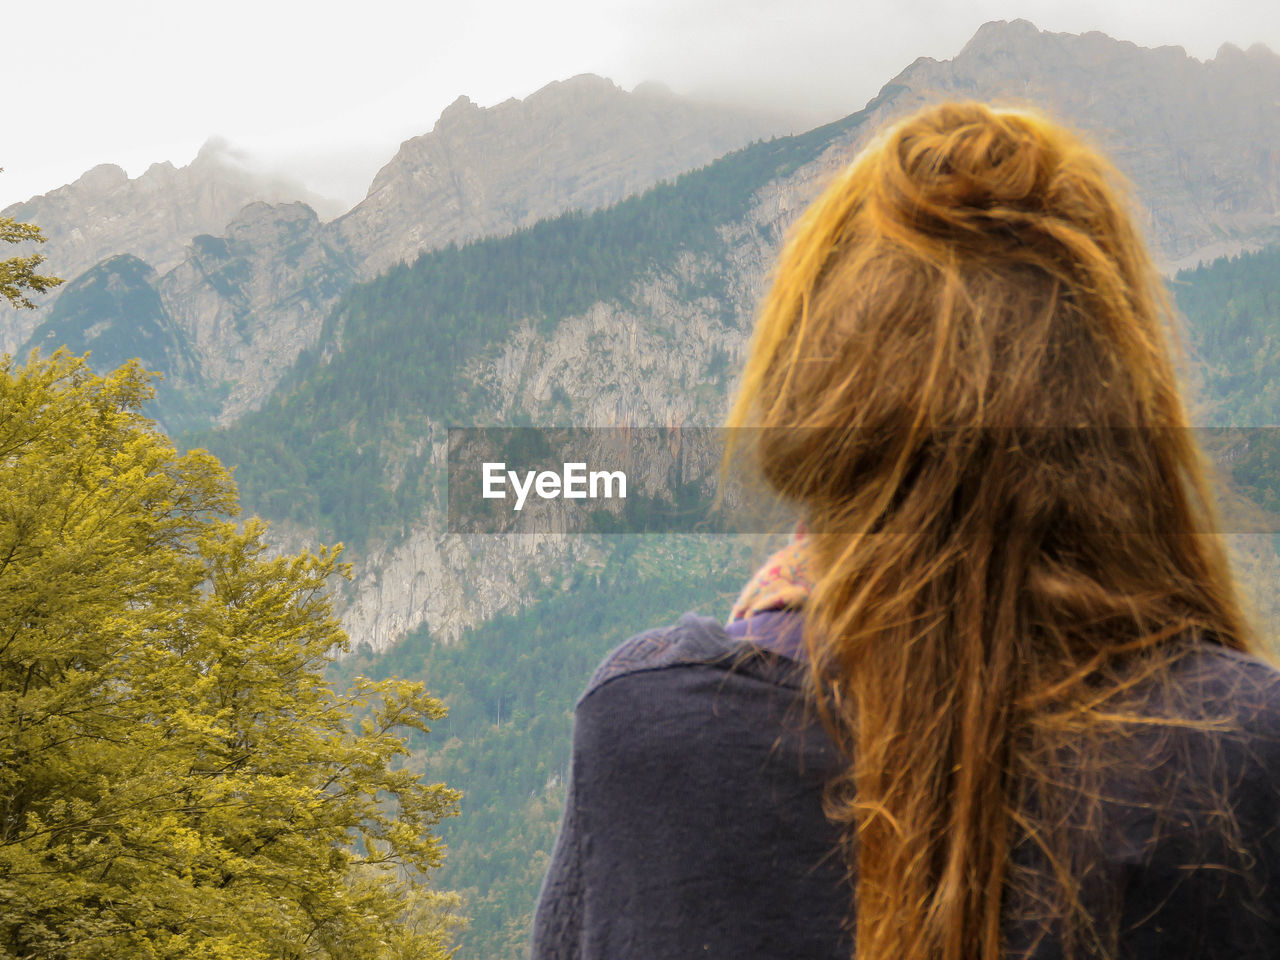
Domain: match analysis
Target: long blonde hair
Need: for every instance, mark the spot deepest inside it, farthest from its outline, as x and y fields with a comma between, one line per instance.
x=963, y=379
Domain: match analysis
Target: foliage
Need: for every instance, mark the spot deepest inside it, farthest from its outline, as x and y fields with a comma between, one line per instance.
x=1232, y=308
x=19, y=273
x=177, y=777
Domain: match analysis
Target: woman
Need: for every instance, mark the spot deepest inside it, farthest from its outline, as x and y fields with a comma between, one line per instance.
x=1001, y=700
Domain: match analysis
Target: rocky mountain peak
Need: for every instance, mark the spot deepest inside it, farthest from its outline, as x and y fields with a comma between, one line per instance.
x=579, y=143
x=455, y=111
x=653, y=88
x=213, y=152
x=260, y=212
x=164, y=170
x=575, y=88
x=1258, y=59
x=105, y=176
x=1003, y=36
x=1260, y=51
x=151, y=217
x=463, y=118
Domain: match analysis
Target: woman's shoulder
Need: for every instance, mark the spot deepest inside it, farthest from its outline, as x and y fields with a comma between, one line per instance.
x=698, y=641
x=1218, y=679
x=1207, y=732
x=693, y=639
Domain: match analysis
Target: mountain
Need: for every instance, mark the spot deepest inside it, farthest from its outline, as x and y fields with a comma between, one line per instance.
x=638, y=314
x=246, y=299
x=151, y=217
x=230, y=263
x=578, y=144
x=1199, y=141
x=510, y=680
x=113, y=311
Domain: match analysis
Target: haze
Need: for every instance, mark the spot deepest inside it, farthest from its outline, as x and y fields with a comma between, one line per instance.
x=325, y=91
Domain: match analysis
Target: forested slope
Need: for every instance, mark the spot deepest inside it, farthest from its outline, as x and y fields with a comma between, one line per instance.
x=1232, y=308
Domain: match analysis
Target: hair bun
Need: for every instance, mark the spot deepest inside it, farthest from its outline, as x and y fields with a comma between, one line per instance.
x=964, y=168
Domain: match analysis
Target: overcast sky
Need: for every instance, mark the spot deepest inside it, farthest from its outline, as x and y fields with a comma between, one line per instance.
x=326, y=90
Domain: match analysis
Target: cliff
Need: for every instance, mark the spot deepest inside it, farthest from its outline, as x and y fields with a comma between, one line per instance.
x=577, y=144
x=151, y=217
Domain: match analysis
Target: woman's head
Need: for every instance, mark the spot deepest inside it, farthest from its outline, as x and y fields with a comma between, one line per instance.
x=973, y=269
x=967, y=325
x=962, y=377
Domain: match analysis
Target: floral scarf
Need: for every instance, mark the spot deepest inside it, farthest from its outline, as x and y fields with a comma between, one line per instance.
x=783, y=583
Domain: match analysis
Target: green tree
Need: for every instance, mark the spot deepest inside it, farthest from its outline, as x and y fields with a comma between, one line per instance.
x=177, y=777
x=19, y=273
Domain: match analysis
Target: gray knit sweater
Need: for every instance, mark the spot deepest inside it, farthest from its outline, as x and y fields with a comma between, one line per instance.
x=694, y=826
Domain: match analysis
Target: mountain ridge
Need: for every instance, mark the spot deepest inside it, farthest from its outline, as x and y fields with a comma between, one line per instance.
x=579, y=143
x=442, y=194
x=105, y=213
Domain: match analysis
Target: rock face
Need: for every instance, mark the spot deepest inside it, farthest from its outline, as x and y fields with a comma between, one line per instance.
x=663, y=358
x=579, y=144
x=249, y=301
x=151, y=217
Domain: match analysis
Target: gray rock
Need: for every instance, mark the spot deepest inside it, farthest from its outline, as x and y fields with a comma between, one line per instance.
x=151, y=217
x=251, y=300
x=578, y=144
